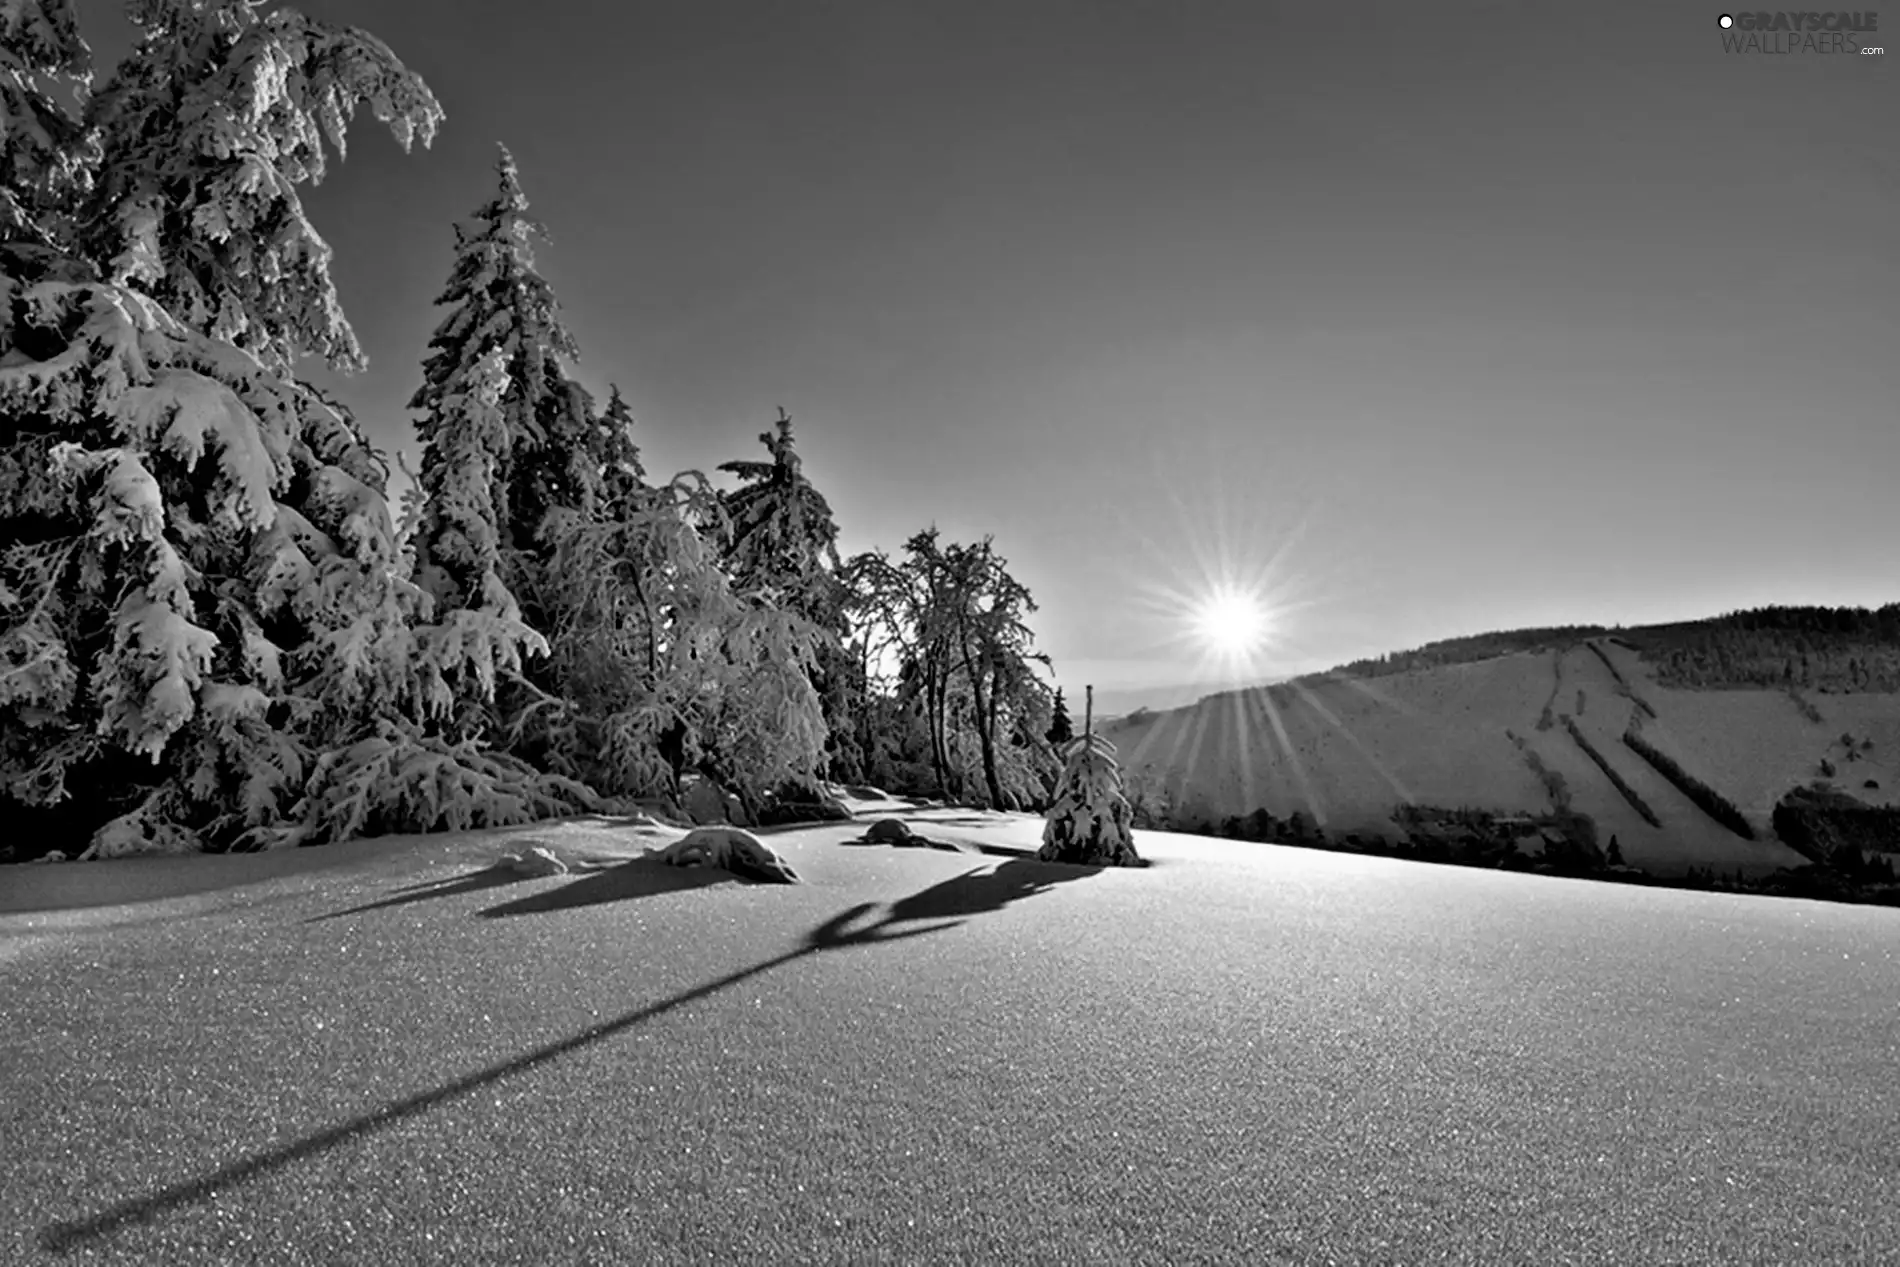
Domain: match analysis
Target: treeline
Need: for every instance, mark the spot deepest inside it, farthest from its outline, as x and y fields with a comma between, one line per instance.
x=1453, y=651
x=214, y=633
x=1823, y=648
x=1706, y=798
x=1622, y=786
x=1863, y=880
x=1829, y=649
x=1555, y=785
x=1564, y=843
x=1880, y=624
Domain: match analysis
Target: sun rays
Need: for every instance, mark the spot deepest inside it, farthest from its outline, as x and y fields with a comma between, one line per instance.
x=1223, y=582
x=1226, y=596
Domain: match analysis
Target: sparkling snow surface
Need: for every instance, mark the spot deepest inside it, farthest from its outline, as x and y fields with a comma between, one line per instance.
x=1241, y=1054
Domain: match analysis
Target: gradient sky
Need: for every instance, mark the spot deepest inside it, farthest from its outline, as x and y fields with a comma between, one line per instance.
x=1462, y=316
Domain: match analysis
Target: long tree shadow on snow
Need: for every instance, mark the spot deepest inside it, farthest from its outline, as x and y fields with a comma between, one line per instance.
x=981, y=890
x=988, y=847
x=600, y=882
x=471, y=882
x=949, y=902
x=636, y=878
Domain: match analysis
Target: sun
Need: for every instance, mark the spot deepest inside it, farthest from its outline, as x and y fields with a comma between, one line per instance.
x=1230, y=621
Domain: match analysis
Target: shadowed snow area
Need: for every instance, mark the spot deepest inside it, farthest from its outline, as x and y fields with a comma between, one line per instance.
x=1244, y=1053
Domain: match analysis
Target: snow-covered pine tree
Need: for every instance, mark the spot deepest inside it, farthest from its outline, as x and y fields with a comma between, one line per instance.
x=459, y=551
x=783, y=537
x=499, y=304
x=623, y=475
x=1091, y=822
x=1061, y=729
x=203, y=635
x=482, y=549
x=782, y=549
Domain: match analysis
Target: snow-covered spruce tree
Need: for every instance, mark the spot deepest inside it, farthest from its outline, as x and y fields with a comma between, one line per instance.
x=623, y=475
x=499, y=304
x=491, y=477
x=1091, y=822
x=458, y=547
x=203, y=636
x=782, y=547
x=782, y=535
x=1061, y=729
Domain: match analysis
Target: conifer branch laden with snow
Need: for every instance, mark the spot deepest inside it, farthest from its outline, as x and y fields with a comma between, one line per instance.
x=782, y=533
x=244, y=635
x=48, y=159
x=207, y=129
x=206, y=636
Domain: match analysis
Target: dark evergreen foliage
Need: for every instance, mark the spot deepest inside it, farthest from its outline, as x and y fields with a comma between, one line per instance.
x=1818, y=824
x=1610, y=772
x=1061, y=729
x=1826, y=648
x=1707, y=799
x=1829, y=649
x=1468, y=650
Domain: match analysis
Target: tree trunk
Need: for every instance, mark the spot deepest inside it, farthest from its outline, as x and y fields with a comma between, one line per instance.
x=985, y=741
x=672, y=746
x=935, y=704
x=996, y=708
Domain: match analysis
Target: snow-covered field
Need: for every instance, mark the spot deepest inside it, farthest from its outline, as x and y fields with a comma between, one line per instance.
x=1243, y=1053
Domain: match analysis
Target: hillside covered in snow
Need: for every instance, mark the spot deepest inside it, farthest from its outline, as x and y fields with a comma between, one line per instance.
x=1680, y=741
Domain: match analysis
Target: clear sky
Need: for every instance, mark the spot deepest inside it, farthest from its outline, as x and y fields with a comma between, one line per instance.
x=1459, y=316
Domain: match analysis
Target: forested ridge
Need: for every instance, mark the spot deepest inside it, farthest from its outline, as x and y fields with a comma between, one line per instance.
x=1818, y=648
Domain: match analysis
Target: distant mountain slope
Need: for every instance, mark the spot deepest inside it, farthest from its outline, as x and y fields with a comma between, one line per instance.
x=1744, y=707
x=1112, y=702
